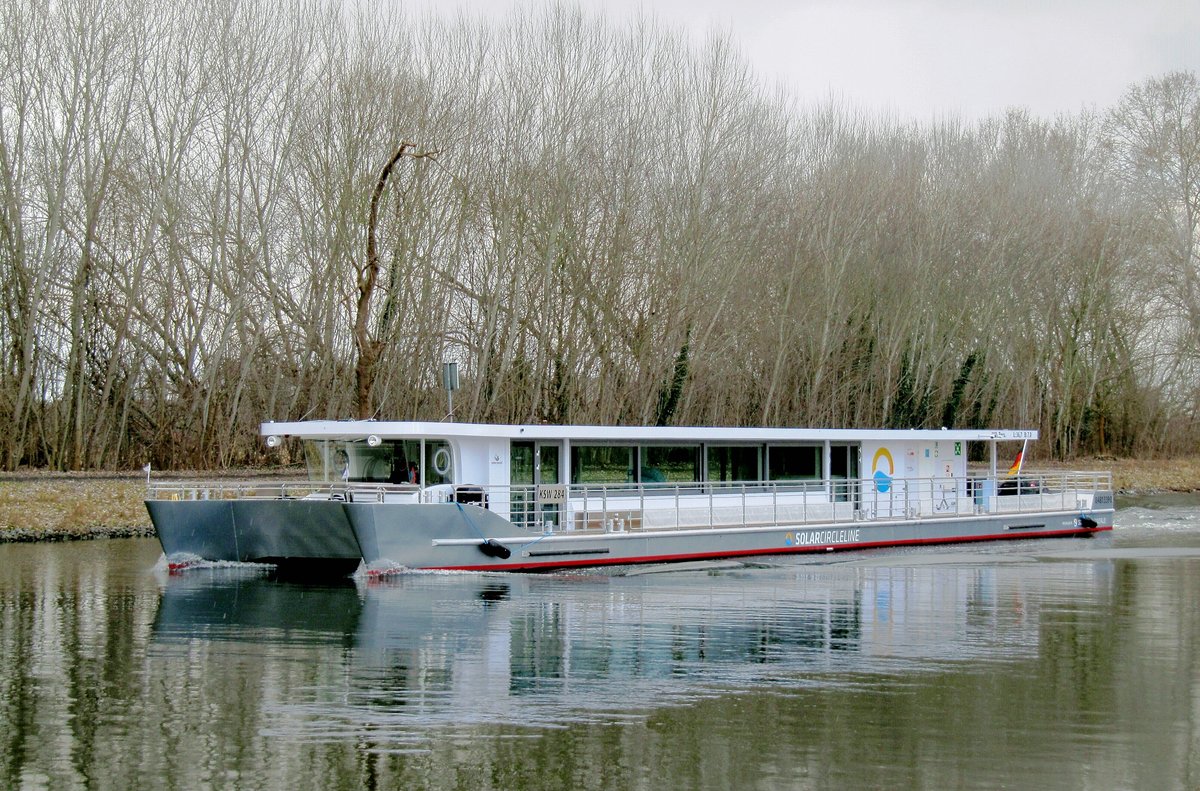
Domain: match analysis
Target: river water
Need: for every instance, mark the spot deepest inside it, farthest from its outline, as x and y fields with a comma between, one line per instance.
x=1060, y=663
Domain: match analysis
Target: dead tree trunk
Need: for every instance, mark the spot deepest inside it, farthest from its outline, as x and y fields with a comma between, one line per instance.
x=369, y=347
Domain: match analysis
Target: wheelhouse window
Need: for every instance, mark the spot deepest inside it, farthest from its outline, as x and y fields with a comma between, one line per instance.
x=406, y=461
x=729, y=463
x=391, y=462
x=439, y=462
x=367, y=464
x=603, y=463
x=794, y=462
x=319, y=458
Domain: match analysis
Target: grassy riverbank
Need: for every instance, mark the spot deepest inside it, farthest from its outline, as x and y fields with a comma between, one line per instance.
x=41, y=506
x=1145, y=476
x=57, y=508
x=36, y=505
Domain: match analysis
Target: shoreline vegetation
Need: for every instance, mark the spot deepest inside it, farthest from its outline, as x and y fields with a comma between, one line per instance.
x=40, y=505
x=604, y=221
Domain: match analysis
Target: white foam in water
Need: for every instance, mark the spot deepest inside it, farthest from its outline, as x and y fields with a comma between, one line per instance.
x=384, y=568
x=1171, y=515
x=380, y=568
x=186, y=561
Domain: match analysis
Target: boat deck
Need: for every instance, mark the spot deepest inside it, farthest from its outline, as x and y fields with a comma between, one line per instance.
x=647, y=508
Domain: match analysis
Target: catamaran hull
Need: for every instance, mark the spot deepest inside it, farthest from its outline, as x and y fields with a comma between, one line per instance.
x=464, y=537
x=299, y=534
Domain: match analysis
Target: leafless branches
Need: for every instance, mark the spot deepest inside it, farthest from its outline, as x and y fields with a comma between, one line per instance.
x=619, y=226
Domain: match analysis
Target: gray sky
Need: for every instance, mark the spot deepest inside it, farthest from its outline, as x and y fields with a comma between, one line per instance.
x=925, y=58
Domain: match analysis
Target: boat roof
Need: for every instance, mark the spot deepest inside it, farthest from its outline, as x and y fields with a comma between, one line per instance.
x=361, y=429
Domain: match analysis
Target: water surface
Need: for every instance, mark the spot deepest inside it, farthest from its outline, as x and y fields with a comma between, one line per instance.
x=1062, y=663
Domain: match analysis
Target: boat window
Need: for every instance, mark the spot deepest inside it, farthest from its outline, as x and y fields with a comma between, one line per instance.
x=406, y=461
x=439, y=462
x=392, y=461
x=521, y=464
x=794, y=462
x=734, y=463
x=360, y=463
x=603, y=463
x=670, y=464
x=319, y=458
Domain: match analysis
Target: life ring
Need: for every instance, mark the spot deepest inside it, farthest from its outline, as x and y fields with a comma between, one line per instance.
x=441, y=461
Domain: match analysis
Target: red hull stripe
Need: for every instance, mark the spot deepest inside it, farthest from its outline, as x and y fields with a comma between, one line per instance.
x=560, y=564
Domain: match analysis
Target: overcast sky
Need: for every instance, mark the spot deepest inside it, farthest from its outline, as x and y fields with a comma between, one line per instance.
x=927, y=58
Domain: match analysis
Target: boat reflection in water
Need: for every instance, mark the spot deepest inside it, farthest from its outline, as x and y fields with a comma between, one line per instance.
x=541, y=651
x=253, y=604
x=432, y=652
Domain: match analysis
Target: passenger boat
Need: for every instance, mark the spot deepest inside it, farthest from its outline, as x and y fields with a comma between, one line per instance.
x=482, y=497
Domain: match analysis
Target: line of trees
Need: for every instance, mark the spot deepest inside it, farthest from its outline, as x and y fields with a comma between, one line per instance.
x=614, y=224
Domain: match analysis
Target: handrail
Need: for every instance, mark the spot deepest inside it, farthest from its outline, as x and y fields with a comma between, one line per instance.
x=708, y=504
x=268, y=490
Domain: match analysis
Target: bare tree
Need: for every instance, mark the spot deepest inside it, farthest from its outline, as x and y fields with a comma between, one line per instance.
x=368, y=278
x=623, y=226
x=1154, y=133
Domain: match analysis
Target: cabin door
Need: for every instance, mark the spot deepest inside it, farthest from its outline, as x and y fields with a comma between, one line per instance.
x=535, y=468
x=550, y=496
x=844, y=474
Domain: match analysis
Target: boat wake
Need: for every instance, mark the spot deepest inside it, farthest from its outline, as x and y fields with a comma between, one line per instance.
x=185, y=561
x=381, y=569
x=385, y=569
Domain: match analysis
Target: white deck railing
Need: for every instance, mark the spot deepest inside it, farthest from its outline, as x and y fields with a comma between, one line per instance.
x=625, y=507
x=665, y=506
x=264, y=490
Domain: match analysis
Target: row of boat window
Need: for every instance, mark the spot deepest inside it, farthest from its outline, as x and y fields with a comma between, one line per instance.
x=650, y=464
x=400, y=462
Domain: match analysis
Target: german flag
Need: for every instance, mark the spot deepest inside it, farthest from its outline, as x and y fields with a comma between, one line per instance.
x=1016, y=465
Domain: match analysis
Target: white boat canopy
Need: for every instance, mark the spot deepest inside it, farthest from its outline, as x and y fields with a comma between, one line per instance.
x=360, y=429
